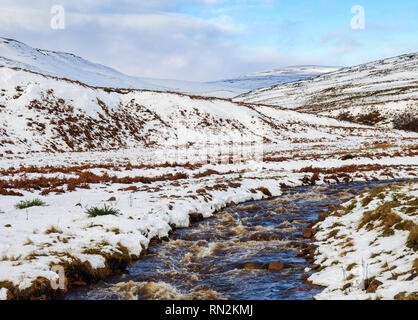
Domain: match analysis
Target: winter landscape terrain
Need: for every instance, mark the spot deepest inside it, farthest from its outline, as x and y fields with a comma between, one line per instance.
x=372, y=93
x=78, y=139
x=64, y=65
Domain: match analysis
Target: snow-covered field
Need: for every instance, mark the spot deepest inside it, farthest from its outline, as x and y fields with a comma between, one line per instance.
x=368, y=246
x=62, y=233
x=387, y=87
x=157, y=158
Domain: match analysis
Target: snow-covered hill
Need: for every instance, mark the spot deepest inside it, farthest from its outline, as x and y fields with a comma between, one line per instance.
x=374, y=92
x=160, y=159
x=39, y=113
x=65, y=65
x=274, y=77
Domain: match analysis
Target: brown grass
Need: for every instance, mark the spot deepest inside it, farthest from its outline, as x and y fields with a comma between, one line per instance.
x=75, y=272
x=382, y=216
x=412, y=241
x=265, y=191
x=82, y=181
x=406, y=296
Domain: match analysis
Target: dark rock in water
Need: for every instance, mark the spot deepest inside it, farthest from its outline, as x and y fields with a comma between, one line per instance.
x=307, y=251
x=275, y=266
x=301, y=289
x=78, y=284
x=263, y=236
x=304, y=278
x=154, y=241
x=251, y=266
x=307, y=233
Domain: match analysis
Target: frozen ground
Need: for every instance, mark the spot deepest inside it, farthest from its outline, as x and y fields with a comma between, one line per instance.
x=368, y=247
x=157, y=158
x=385, y=87
x=61, y=232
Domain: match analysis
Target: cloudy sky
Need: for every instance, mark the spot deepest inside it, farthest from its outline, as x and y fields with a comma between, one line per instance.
x=214, y=39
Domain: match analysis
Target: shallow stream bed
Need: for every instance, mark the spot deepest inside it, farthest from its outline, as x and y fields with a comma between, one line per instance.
x=227, y=256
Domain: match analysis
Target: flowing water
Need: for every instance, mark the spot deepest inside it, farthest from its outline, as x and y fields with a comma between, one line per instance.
x=206, y=260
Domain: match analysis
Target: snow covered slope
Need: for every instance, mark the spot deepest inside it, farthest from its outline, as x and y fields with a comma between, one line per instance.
x=39, y=113
x=369, y=246
x=159, y=158
x=373, y=92
x=65, y=65
x=266, y=79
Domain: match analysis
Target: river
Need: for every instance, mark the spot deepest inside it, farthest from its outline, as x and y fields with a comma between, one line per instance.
x=227, y=256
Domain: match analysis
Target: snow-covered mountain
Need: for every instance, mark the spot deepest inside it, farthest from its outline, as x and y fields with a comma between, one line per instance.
x=374, y=92
x=65, y=65
x=274, y=77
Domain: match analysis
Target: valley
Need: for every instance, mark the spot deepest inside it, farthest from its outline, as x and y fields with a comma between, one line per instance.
x=92, y=174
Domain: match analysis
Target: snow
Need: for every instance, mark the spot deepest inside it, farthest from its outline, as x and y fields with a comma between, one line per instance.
x=3, y=294
x=304, y=69
x=360, y=254
x=273, y=77
x=23, y=249
x=387, y=86
x=65, y=65
x=167, y=117
x=55, y=131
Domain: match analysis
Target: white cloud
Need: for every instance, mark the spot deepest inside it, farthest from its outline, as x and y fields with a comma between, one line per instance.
x=150, y=44
x=212, y=2
x=14, y=18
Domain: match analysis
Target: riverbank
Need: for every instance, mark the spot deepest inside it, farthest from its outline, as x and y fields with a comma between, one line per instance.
x=150, y=200
x=367, y=247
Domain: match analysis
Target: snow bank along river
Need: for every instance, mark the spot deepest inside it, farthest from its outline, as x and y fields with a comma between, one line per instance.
x=248, y=251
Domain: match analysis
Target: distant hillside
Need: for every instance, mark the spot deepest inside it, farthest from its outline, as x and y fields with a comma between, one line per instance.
x=43, y=113
x=373, y=93
x=65, y=65
x=274, y=77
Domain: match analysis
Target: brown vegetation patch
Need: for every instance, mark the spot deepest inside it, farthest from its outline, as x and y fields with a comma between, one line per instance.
x=343, y=169
x=12, y=171
x=39, y=290
x=265, y=191
x=406, y=296
x=382, y=216
x=412, y=241
x=82, y=181
x=407, y=120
